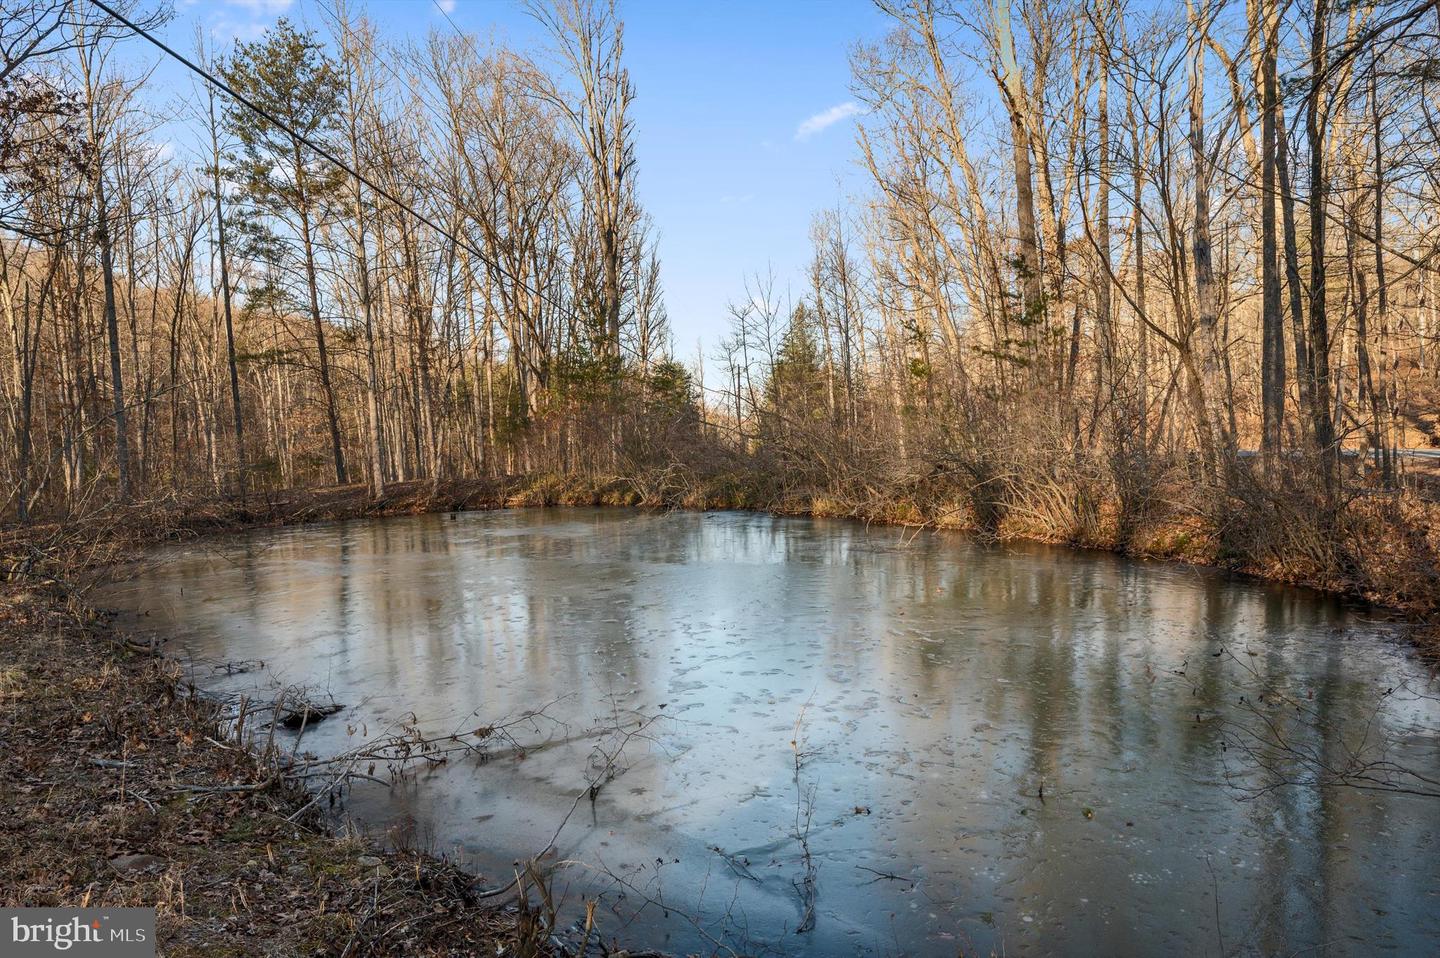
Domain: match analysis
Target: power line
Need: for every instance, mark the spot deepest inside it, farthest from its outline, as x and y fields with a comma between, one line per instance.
x=332, y=158
x=446, y=14
x=343, y=21
x=419, y=92
x=323, y=152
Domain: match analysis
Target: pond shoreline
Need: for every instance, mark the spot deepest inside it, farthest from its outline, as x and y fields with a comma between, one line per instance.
x=122, y=789
x=72, y=678
x=72, y=549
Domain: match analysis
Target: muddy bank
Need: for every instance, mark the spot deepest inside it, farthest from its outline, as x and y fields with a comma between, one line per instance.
x=120, y=789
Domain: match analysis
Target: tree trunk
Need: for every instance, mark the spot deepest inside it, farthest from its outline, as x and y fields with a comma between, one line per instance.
x=1205, y=385
x=238, y=416
x=1315, y=127
x=1272, y=338
x=112, y=329
x=1027, y=258
x=312, y=282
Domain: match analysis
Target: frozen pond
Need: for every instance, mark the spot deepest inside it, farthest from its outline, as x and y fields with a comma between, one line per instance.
x=857, y=727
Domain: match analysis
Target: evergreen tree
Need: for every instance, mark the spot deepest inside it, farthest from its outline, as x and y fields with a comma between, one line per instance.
x=795, y=392
x=288, y=75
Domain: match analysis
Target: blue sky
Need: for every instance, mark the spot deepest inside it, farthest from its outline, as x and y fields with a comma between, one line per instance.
x=743, y=121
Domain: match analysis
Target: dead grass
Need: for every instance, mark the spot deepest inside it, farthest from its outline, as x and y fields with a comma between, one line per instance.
x=1379, y=545
x=99, y=745
x=97, y=738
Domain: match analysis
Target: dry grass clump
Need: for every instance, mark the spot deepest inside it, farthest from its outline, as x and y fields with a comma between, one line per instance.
x=1379, y=544
x=1273, y=521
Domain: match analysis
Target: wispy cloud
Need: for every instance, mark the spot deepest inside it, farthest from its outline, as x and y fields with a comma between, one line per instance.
x=246, y=19
x=446, y=6
x=161, y=150
x=826, y=119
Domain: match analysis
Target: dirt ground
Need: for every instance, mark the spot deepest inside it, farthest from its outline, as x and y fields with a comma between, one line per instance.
x=118, y=788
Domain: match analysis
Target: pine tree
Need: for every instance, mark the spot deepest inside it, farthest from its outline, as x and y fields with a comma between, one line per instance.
x=288, y=75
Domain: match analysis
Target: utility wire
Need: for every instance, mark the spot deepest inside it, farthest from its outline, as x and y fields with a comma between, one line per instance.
x=325, y=153
x=446, y=14
x=321, y=150
x=444, y=119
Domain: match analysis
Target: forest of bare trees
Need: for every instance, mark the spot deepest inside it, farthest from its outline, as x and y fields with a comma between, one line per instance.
x=1126, y=274
x=387, y=264
x=1151, y=276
